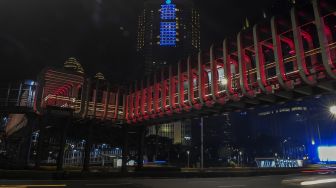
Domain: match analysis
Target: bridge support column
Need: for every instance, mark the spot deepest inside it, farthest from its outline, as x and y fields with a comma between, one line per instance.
x=87, y=149
x=125, y=153
x=62, y=143
x=42, y=131
x=26, y=149
x=141, y=144
x=157, y=129
x=202, y=152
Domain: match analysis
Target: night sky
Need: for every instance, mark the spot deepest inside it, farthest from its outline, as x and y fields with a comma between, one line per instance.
x=100, y=33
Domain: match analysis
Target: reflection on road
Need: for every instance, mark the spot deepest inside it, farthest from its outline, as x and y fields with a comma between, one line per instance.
x=306, y=180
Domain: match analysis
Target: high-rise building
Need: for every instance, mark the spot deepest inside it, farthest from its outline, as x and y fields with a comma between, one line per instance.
x=168, y=30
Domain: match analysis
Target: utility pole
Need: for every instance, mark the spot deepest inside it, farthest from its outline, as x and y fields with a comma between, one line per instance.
x=202, y=143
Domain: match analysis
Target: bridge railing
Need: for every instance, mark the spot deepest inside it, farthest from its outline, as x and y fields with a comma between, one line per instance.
x=284, y=53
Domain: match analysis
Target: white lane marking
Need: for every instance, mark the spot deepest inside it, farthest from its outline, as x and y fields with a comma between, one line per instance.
x=202, y=181
x=223, y=186
x=104, y=185
x=315, y=182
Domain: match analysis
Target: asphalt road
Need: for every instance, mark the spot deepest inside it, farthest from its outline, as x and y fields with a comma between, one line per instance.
x=227, y=182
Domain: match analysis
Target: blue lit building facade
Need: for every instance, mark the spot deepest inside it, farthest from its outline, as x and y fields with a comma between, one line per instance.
x=168, y=30
x=168, y=24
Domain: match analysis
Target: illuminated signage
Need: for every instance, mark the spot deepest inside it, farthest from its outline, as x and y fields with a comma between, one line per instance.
x=327, y=153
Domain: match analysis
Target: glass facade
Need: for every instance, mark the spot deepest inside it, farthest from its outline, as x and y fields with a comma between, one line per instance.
x=179, y=132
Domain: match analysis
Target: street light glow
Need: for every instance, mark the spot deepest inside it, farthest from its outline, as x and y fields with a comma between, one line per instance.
x=332, y=110
x=224, y=81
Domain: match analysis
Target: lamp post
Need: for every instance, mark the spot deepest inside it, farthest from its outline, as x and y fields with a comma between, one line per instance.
x=188, y=154
x=240, y=159
x=73, y=156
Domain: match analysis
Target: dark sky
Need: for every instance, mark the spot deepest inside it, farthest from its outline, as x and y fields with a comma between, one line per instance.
x=100, y=33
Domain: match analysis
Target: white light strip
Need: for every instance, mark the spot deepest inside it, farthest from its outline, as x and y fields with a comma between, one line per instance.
x=332, y=180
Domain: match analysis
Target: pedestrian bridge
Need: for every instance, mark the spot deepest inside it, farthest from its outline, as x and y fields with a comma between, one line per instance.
x=284, y=58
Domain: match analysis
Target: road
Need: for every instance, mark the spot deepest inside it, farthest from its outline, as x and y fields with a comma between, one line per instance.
x=227, y=182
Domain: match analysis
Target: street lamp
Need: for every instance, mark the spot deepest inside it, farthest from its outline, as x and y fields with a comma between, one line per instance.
x=240, y=158
x=73, y=156
x=49, y=156
x=188, y=153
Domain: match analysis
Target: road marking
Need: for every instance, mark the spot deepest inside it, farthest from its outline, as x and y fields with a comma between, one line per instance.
x=26, y=186
x=202, y=181
x=315, y=182
x=223, y=186
x=46, y=185
x=104, y=185
x=294, y=179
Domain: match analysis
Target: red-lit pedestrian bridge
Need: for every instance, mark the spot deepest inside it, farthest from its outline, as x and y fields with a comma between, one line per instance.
x=279, y=59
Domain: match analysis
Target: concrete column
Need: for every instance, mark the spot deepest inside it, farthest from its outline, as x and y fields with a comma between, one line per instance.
x=62, y=143
x=41, y=124
x=88, y=145
x=26, y=149
x=157, y=129
x=125, y=153
x=141, y=144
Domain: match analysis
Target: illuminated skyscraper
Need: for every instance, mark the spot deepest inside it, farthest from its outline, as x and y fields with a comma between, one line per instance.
x=168, y=30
